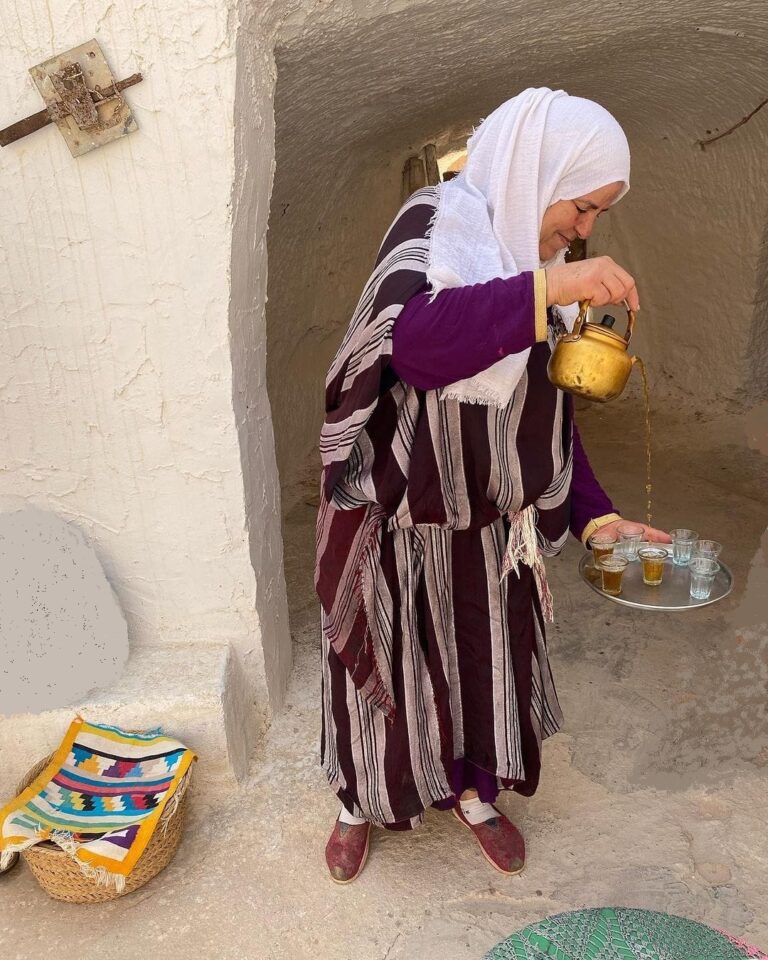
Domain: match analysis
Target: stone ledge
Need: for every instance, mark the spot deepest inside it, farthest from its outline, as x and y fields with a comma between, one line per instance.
x=195, y=692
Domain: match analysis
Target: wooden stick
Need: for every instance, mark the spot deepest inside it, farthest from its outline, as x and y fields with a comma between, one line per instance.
x=417, y=177
x=430, y=164
x=405, y=188
x=414, y=177
x=703, y=143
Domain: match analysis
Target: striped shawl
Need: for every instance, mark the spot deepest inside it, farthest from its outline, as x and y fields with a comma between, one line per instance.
x=396, y=458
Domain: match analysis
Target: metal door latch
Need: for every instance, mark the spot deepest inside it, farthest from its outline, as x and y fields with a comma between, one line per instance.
x=82, y=98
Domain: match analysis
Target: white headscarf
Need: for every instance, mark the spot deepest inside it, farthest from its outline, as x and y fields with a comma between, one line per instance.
x=540, y=147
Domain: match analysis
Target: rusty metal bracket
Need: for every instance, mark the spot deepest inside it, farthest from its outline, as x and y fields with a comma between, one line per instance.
x=69, y=84
x=83, y=99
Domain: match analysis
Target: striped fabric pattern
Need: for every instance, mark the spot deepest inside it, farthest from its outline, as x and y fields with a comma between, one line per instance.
x=100, y=798
x=433, y=638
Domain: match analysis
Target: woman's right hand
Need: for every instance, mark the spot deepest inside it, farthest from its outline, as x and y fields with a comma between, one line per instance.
x=600, y=280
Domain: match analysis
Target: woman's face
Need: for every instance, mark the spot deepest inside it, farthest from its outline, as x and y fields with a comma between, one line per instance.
x=567, y=219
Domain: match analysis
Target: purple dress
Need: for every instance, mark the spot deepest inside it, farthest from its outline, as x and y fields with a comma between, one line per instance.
x=463, y=331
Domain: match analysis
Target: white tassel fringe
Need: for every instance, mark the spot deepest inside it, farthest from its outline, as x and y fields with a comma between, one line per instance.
x=523, y=547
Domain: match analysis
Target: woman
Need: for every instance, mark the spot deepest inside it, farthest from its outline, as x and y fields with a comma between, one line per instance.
x=451, y=465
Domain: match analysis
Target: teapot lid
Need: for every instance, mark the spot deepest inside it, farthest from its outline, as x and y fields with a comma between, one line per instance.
x=604, y=329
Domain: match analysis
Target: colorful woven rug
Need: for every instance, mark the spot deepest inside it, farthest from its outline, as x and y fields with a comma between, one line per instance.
x=100, y=798
x=621, y=934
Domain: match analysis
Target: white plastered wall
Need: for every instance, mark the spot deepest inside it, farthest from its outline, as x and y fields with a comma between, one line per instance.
x=129, y=331
x=359, y=89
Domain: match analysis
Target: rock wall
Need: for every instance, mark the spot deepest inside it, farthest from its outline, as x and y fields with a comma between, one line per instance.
x=361, y=88
x=118, y=364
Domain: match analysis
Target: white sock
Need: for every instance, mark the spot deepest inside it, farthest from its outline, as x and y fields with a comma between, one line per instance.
x=476, y=811
x=346, y=817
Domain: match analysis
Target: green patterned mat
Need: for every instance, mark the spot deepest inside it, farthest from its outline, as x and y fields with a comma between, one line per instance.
x=621, y=934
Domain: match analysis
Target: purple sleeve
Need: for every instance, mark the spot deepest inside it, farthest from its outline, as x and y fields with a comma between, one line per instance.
x=467, y=329
x=462, y=331
x=588, y=499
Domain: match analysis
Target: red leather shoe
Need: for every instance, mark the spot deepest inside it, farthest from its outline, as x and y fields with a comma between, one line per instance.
x=347, y=851
x=500, y=840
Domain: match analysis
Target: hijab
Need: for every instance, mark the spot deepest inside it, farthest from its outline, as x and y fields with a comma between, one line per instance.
x=540, y=147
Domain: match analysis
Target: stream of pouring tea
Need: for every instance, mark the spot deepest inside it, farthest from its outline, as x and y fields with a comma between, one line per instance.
x=646, y=399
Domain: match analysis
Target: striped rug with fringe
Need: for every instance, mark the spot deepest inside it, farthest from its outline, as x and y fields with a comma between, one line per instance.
x=99, y=799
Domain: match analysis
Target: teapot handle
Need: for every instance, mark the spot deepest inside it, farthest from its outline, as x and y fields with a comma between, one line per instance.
x=579, y=322
x=630, y=323
x=582, y=319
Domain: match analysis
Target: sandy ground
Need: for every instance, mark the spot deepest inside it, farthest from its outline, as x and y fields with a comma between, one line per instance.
x=654, y=794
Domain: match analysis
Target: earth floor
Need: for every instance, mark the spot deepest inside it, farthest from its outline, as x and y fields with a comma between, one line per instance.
x=653, y=795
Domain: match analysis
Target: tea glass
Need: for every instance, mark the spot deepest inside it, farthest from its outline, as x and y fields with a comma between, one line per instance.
x=630, y=535
x=652, y=559
x=682, y=545
x=707, y=548
x=703, y=570
x=612, y=569
x=602, y=544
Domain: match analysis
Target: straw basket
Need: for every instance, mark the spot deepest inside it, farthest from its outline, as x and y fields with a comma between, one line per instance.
x=61, y=877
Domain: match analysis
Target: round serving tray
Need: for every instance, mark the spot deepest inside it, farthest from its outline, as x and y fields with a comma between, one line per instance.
x=672, y=594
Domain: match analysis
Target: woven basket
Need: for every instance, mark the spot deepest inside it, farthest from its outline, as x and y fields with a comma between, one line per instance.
x=61, y=877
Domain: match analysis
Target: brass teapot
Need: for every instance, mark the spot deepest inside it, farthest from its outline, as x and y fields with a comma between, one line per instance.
x=592, y=361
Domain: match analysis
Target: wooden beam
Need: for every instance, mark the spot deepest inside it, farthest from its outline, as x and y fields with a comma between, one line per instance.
x=430, y=164
x=414, y=176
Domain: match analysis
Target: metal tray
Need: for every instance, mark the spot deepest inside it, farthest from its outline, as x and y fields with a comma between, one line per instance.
x=672, y=594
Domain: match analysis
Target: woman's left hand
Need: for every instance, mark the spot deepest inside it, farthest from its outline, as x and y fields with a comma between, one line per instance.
x=650, y=533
